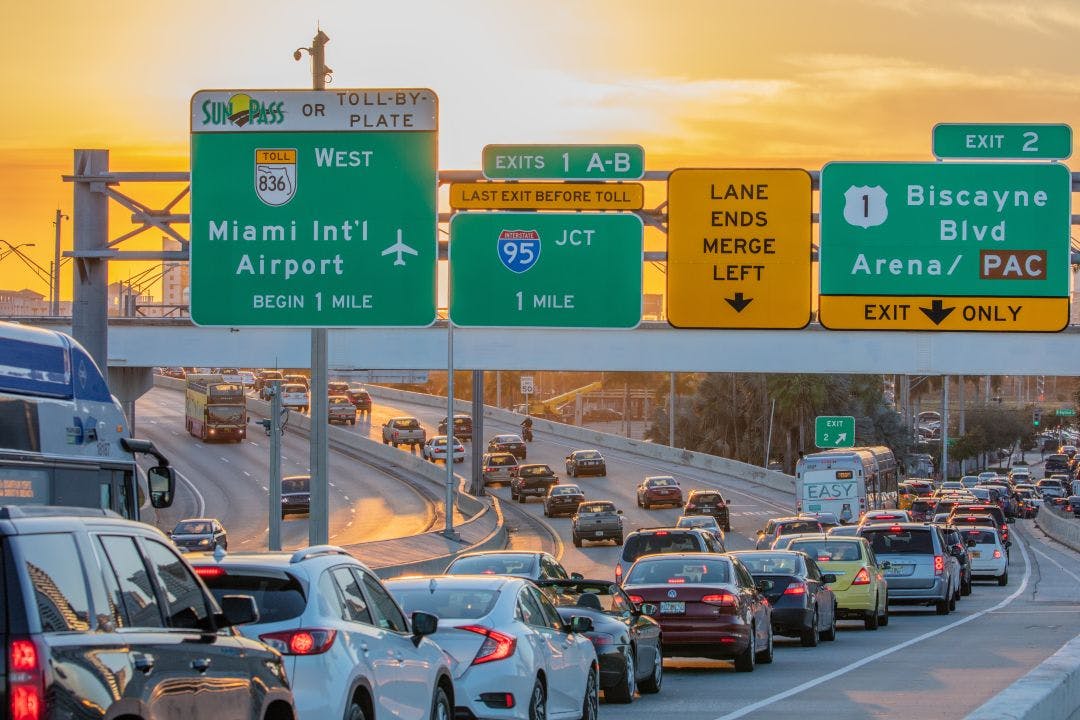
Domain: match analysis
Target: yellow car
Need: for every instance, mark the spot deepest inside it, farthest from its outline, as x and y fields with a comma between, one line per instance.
x=910, y=490
x=861, y=591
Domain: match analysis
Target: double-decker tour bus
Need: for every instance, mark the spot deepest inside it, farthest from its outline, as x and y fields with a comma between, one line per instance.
x=215, y=409
x=63, y=436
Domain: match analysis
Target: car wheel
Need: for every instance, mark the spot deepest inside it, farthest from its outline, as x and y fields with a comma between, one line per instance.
x=870, y=622
x=440, y=706
x=727, y=527
x=623, y=691
x=619, y=540
x=1004, y=579
x=520, y=498
x=355, y=711
x=884, y=619
x=744, y=661
x=538, y=702
x=942, y=607
x=952, y=603
x=590, y=704
x=646, y=505
x=546, y=513
x=577, y=540
x=965, y=587
x=809, y=636
x=829, y=634
x=766, y=656
x=652, y=684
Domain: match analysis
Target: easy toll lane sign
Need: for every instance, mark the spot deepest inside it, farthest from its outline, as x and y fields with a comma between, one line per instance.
x=739, y=248
x=546, y=196
x=564, y=162
x=546, y=270
x=1016, y=141
x=313, y=208
x=945, y=246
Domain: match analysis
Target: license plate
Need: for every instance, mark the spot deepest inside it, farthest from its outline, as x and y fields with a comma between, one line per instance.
x=898, y=570
x=976, y=553
x=599, y=533
x=672, y=608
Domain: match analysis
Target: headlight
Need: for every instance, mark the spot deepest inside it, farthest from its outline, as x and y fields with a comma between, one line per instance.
x=204, y=541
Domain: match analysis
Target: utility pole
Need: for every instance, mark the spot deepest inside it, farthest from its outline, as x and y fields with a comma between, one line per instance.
x=319, y=517
x=55, y=294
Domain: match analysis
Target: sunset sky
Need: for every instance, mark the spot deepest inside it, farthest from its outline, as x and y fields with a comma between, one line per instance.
x=706, y=84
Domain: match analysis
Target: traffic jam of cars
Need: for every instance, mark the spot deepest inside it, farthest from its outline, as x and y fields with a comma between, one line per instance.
x=518, y=634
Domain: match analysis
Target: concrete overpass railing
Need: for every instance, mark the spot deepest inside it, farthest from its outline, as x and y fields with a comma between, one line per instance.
x=723, y=467
x=1063, y=528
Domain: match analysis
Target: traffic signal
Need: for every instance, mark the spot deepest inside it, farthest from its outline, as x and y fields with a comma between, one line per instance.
x=1036, y=417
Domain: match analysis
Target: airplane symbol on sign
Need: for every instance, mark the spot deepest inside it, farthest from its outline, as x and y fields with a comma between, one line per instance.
x=399, y=248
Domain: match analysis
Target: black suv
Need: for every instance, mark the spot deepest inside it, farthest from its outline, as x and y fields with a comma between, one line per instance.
x=657, y=541
x=101, y=612
x=1056, y=463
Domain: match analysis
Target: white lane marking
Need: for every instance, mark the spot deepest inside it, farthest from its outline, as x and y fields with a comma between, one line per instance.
x=153, y=422
x=246, y=473
x=265, y=489
x=200, y=501
x=747, y=709
x=224, y=459
x=253, y=443
x=350, y=523
x=345, y=496
x=1061, y=567
x=175, y=433
x=331, y=484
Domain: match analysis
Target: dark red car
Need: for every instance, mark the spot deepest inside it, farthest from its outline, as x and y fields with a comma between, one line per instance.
x=659, y=490
x=360, y=399
x=707, y=605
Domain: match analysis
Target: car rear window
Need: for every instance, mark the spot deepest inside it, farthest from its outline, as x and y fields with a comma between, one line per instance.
x=658, y=543
x=708, y=498
x=278, y=598
x=826, y=550
x=520, y=565
x=596, y=508
x=981, y=537
x=800, y=526
x=292, y=485
x=662, y=482
x=922, y=505
x=905, y=541
x=466, y=604
x=679, y=572
x=410, y=424
x=502, y=460
x=785, y=563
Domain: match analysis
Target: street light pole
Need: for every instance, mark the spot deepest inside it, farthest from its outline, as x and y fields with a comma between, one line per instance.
x=55, y=294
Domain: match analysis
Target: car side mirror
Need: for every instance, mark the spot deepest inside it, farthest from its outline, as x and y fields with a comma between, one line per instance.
x=581, y=624
x=162, y=482
x=576, y=576
x=647, y=608
x=237, y=610
x=828, y=578
x=423, y=624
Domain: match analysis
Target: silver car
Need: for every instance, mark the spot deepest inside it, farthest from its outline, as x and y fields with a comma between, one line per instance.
x=920, y=566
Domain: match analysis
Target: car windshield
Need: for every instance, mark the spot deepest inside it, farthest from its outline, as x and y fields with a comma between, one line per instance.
x=829, y=550
x=503, y=439
x=800, y=526
x=463, y=603
x=192, y=527
x=596, y=508
x=277, y=598
x=519, y=565
x=295, y=485
x=899, y=541
x=678, y=572
x=655, y=543
x=770, y=563
x=662, y=482
x=225, y=414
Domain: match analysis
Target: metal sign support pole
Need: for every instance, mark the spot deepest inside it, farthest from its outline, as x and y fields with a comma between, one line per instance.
x=944, y=428
x=449, y=508
x=478, y=432
x=275, y=467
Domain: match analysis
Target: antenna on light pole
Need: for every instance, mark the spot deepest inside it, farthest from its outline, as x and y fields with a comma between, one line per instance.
x=55, y=289
x=320, y=73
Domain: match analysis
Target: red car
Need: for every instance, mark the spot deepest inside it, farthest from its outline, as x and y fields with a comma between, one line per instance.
x=659, y=490
x=707, y=605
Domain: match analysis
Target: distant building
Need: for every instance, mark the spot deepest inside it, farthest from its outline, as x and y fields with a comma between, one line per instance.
x=175, y=282
x=21, y=303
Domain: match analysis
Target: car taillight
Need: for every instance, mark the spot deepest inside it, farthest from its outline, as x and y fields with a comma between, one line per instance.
x=660, y=533
x=496, y=645
x=26, y=680
x=209, y=571
x=618, y=573
x=636, y=599
x=896, y=529
x=939, y=564
x=795, y=589
x=862, y=577
x=997, y=554
x=676, y=581
x=719, y=599
x=305, y=641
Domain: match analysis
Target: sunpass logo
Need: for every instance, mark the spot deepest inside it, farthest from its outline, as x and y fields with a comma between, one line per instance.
x=242, y=109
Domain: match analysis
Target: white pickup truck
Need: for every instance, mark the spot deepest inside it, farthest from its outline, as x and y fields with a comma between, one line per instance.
x=403, y=431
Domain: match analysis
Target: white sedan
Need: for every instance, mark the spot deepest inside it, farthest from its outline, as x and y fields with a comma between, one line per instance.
x=511, y=654
x=988, y=556
x=435, y=449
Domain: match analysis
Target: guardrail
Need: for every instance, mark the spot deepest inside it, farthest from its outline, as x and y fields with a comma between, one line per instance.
x=1063, y=528
x=722, y=466
x=1050, y=690
x=431, y=552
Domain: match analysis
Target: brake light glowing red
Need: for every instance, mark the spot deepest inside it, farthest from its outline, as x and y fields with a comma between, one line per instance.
x=26, y=680
x=939, y=564
x=618, y=573
x=496, y=645
x=676, y=581
x=862, y=577
x=661, y=533
x=796, y=589
x=719, y=599
x=636, y=599
x=209, y=571
x=896, y=529
x=305, y=641
x=997, y=554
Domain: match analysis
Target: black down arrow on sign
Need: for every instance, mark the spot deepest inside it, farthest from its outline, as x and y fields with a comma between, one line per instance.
x=936, y=312
x=738, y=302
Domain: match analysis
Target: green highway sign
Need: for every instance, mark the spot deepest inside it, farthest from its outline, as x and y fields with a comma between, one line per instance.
x=511, y=269
x=1002, y=141
x=945, y=246
x=564, y=162
x=1065, y=412
x=833, y=431
x=314, y=208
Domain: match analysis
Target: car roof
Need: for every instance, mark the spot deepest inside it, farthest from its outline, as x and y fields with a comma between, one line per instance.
x=320, y=554
x=660, y=477
x=508, y=553
x=685, y=555
x=454, y=582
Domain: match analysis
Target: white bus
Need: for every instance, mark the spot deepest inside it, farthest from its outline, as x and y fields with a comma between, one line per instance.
x=63, y=436
x=845, y=481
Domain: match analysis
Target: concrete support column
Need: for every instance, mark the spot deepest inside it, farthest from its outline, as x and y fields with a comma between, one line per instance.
x=90, y=306
x=128, y=384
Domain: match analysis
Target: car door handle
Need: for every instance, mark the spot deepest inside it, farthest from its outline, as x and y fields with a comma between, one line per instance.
x=364, y=646
x=201, y=664
x=399, y=657
x=144, y=663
